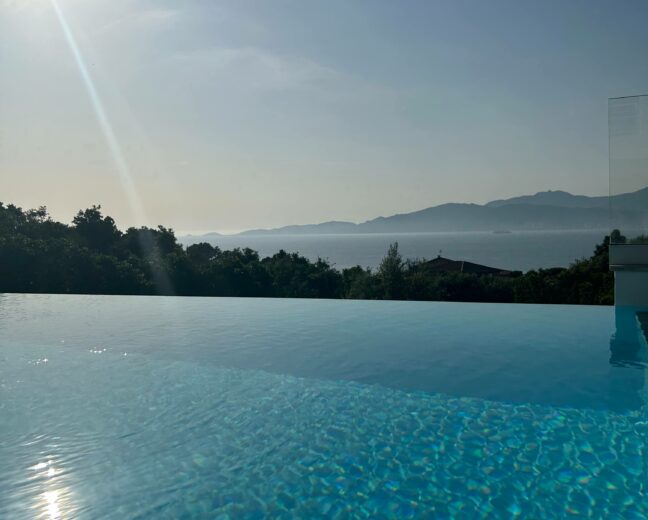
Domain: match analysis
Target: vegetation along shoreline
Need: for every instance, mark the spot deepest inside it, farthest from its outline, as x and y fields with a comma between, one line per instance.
x=93, y=256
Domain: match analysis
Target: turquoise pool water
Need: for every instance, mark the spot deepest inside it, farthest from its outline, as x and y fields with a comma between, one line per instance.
x=138, y=407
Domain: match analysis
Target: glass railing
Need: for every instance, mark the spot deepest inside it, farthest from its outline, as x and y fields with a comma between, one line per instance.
x=628, y=131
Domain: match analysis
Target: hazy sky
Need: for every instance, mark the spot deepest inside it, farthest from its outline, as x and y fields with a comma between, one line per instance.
x=232, y=115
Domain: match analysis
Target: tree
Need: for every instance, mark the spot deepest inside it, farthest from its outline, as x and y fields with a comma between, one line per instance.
x=359, y=284
x=390, y=273
x=96, y=231
x=201, y=254
x=615, y=237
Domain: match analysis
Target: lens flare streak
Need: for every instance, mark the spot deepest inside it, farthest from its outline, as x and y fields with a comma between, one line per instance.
x=160, y=277
x=104, y=122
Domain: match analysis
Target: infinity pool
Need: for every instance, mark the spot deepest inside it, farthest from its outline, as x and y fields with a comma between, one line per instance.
x=151, y=407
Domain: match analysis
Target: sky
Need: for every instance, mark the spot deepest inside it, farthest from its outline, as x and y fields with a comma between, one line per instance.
x=208, y=115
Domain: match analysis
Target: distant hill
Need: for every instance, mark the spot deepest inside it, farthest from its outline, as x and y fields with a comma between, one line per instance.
x=473, y=217
x=554, y=198
x=547, y=210
x=204, y=235
x=636, y=200
x=333, y=227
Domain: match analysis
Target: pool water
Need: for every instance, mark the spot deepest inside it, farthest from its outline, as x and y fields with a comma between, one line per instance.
x=145, y=407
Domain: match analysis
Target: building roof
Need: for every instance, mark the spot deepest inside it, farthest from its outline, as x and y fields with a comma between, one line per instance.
x=445, y=265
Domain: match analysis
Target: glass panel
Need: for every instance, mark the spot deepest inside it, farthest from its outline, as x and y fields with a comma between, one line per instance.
x=628, y=128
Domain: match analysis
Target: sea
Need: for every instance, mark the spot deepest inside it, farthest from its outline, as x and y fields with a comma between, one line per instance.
x=519, y=250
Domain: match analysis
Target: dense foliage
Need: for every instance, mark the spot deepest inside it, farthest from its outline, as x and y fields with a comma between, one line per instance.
x=93, y=256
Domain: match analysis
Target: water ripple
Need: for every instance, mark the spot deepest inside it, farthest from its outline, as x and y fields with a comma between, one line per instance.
x=114, y=437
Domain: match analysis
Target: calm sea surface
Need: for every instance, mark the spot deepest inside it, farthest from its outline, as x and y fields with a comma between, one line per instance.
x=518, y=251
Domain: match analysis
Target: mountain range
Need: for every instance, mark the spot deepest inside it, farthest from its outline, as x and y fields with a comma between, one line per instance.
x=546, y=210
